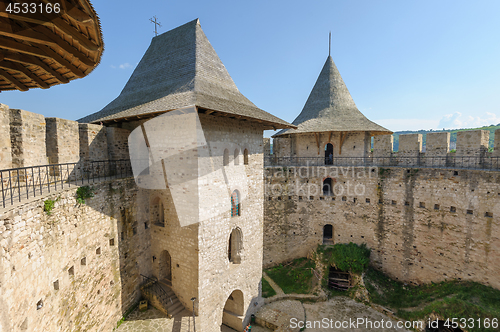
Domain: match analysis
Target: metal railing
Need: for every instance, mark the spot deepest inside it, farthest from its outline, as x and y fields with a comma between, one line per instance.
x=450, y=161
x=17, y=184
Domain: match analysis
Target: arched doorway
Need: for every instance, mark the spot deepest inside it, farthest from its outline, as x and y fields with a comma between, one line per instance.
x=327, y=187
x=328, y=234
x=329, y=154
x=233, y=312
x=165, y=267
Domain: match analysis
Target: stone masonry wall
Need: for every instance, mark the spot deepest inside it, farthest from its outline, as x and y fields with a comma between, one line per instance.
x=218, y=277
x=77, y=269
x=62, y=141
x=423, y=225
x=117, y=143
x=93, y=142
x=5, y=147
x=27, y=135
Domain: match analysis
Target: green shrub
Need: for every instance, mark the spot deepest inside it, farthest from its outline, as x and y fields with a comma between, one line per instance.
x=348, y=257
x=83, y=193
x=48, y=205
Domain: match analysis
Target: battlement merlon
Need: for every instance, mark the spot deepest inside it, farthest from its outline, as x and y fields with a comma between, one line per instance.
x=30, y=139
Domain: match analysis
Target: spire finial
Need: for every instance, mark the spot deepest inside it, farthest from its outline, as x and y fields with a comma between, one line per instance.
x=330, y=45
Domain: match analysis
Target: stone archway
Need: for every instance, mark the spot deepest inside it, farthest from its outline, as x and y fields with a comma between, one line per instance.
x=165, y=267
x=329, y=154
x=233, y=312
x=328, y=234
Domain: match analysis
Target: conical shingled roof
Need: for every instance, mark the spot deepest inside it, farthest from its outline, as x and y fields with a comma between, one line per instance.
x=179, y=69
x=330, y=108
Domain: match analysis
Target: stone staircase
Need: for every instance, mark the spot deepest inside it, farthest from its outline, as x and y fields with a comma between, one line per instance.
x=162, y=297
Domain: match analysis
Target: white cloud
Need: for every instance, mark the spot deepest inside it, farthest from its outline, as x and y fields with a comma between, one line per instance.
x=457, y=120
x=125, y=65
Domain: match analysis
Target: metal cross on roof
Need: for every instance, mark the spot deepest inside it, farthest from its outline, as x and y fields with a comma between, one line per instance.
x=156, y=23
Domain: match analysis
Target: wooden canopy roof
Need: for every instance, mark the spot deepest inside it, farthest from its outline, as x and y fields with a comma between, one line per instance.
x=41, y=49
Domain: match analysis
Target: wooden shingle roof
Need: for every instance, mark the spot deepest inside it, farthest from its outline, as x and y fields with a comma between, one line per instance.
x=47, y=43
x=330, y=108
x=179, y=69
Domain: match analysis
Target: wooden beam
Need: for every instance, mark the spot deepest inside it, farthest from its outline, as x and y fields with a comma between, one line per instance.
x=20, y=86
x=15, y=31
x=43, y=37
x=12, y=45
x=63, y=62
x=31, y=60
x=55, y=22
x=21, y=69
x=78, y=15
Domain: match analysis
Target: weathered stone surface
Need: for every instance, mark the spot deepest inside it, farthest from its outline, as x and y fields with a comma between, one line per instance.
x=93, y=142
x=66, y=260
x=27, y=135
x=62, y=141
x=5, y=146
x=431, y=224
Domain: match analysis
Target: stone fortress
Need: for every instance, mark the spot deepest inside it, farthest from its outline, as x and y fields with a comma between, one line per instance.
x=82, y=266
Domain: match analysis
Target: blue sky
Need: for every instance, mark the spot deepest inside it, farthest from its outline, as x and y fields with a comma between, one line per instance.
x=409, y=65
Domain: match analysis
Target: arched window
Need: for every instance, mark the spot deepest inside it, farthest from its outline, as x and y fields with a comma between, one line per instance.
x=329, y=154
x=245, y=157
x=236, y=156
x=225, y=160
x=235, y=246
x=328, y=234
x=327, y=187
x=235, y=204
x=157, y=212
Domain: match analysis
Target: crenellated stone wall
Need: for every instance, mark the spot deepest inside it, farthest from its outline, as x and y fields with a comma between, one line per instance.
x=27, y=136
x=423, y=225
x=5, y=146
x=93, y=142
x=62, y=141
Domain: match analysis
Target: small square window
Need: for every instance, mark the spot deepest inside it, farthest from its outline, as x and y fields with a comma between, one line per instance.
x=422, y=204
x=354, y=200
x=488, y=214
x=367, y=200
x=300, y=198
x=83, y=261
x=436, y=206
x=111, y=242
x=311, y=198
x=56, y=285
x=407, y=203
x=98, y=251
x=344, y=198
x=71, y=271
x=470, y=212
x=393, y=202
x=453, y=209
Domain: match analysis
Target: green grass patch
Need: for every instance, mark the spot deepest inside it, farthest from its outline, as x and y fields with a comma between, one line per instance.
x=295, y=277
x=346, y=257
x=48, y=205
x=267, y=290
x=450, y=299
